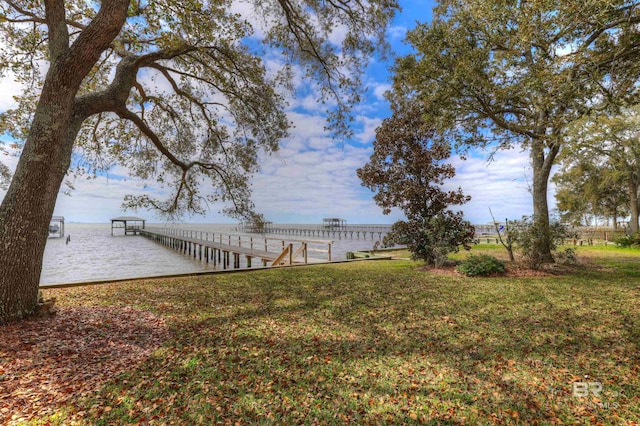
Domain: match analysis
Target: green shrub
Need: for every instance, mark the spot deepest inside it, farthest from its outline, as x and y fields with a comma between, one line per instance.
x=628, y=241
x=431, y=239
x=530, y=238
x=566, y=257
x=481, y=265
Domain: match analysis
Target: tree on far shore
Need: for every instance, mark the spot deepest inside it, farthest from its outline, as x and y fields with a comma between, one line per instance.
x=176, y=92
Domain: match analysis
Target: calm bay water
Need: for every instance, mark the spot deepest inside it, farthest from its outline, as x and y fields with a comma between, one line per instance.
x=94, y=255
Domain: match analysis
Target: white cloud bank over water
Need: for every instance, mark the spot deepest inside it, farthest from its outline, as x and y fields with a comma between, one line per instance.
x=312, y=177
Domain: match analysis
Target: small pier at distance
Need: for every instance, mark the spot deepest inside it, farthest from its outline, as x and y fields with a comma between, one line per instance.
x=226, y=250
x=330, y=228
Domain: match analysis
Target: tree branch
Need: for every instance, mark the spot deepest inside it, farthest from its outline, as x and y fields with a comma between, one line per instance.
x=486, y=109
x=96, y=37
x=58, y=33
x=33, y=17
x=124, y=113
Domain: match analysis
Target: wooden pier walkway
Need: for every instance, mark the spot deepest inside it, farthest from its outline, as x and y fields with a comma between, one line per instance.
x=346, y=232
x=221, y=248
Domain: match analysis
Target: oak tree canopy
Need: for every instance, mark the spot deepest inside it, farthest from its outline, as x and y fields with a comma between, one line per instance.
x=177, y=92
x=505, y=74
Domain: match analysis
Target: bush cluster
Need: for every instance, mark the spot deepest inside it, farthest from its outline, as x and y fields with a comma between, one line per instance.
x=629, y=241
x=530, y=236
x=481, y=265
x=431, y=239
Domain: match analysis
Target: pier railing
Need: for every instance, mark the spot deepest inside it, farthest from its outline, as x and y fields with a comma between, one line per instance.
x=364, y=232
x=277, y=251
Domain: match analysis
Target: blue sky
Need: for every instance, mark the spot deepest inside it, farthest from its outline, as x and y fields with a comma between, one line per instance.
x=313, y=176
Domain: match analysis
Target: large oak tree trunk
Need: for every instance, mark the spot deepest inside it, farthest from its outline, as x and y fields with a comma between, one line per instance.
x=541, y=170
x=26, y=210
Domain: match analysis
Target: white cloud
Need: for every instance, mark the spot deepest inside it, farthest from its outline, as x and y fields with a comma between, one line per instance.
x=313, y=176
x=311, y=103
x=502, y=185
x=338, y=34
x=397, y=32
x=379, y=89
x=9, y=89
x=369, y=126
x=247, y=10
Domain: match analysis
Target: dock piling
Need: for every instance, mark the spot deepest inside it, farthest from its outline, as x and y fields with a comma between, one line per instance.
x=198, y=244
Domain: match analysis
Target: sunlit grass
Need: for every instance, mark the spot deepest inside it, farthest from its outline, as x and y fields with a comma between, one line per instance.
x=380, y=342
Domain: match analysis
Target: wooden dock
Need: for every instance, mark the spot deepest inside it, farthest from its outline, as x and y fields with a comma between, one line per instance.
x=222, y=248
x=342, y=232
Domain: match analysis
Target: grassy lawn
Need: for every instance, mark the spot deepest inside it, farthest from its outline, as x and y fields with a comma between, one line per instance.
x=378, y=342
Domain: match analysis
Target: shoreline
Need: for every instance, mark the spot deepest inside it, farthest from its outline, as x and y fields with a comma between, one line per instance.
x=201, y=273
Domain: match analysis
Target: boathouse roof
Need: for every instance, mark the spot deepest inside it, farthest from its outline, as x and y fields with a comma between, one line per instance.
x=127, y=218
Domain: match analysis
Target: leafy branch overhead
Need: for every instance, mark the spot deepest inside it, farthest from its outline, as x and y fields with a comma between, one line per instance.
x=180, y=93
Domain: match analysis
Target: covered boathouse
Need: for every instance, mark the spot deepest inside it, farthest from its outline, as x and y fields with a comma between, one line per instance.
x=131, y=224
